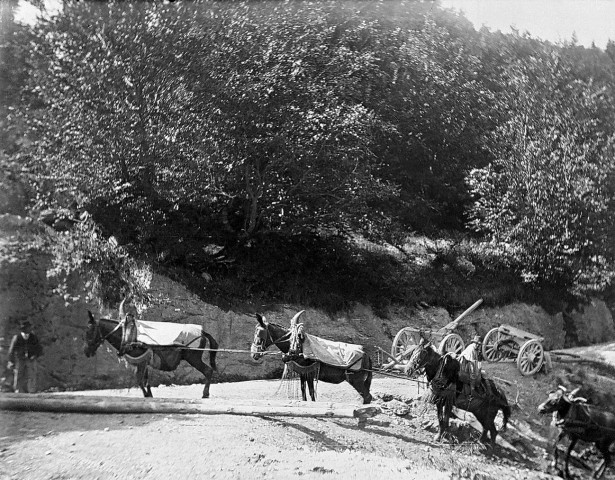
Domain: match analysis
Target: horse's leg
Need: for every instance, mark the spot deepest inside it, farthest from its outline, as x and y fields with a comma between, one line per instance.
x=489, y=424
x=367, y=384
x=486, y=428
x=606, y=454
x=555, y=450
x=361, y=384
x=573, y=442
x=303, y=382
x=440, y=414
x=143, y=379
x=194, y=358
x=310, y=383
x=493, y=431
x=207, y=372
x=482, y=415
x=148, y=385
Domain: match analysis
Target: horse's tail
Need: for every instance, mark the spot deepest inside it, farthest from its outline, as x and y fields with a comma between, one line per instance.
x=213, y=351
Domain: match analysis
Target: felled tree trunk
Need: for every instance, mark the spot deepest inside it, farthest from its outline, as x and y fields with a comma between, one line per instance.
x=96, y=404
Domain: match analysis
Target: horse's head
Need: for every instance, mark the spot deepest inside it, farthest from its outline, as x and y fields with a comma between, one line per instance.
x=420, y=358
x=262, y=338
x=267, y=334
x=557, y=400
x=93, y=337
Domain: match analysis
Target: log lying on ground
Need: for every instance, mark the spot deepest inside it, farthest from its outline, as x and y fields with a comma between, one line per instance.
x=98, y=404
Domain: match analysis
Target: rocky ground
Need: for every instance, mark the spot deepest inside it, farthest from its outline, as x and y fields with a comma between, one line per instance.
x=396, y=444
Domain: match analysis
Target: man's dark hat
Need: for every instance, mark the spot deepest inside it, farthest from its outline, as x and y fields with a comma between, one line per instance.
x=25, y=324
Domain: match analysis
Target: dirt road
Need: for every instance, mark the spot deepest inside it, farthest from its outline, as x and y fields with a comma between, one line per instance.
x=396, y=444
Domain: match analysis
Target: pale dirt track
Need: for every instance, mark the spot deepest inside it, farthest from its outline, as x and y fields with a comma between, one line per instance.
x=36, y=445
x=397, y=444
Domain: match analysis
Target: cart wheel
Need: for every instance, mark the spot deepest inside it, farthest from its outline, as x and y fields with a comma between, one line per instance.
x=451, y=343
x=490, y=345
x=531, y=357
x=404, y=339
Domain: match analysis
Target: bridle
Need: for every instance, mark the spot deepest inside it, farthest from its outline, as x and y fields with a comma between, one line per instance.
x=261, y=347
x=418, y=357
x=99, y=338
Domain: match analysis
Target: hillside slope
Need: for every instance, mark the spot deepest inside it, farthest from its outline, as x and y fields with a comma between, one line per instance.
x=26, y=291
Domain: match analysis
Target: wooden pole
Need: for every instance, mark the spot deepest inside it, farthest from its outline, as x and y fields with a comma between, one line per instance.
x=395, y=363
x=452, y=325
x=126, y=405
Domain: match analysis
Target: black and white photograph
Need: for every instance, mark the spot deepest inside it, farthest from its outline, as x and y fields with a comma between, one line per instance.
x=307, y=239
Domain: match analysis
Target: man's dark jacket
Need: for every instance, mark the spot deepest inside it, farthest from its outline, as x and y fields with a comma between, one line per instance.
x=22, y=348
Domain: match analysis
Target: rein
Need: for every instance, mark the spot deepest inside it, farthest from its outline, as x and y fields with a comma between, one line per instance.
x=570, y=423
x=420, y=370
x=270, y=337
x=119, y=325
x=279, y=340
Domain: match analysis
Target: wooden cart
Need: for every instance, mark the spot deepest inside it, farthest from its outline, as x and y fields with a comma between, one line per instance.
x=509, y=343
x=445, y=338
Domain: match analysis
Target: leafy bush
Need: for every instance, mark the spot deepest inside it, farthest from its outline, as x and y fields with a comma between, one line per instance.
x=110, y=273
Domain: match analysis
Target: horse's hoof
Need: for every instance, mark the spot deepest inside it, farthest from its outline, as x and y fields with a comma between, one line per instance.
x=205, y=396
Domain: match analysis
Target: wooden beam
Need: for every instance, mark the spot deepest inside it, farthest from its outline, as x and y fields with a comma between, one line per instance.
x=455, y=323
x=104, y=404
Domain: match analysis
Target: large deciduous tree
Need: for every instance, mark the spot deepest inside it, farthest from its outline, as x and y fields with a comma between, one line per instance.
x=548, y=198
x=210, y=104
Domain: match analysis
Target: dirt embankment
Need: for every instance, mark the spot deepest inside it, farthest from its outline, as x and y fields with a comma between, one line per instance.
x=27, y=292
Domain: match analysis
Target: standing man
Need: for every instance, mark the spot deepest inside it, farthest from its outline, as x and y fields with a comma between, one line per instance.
x=23, y=354
x=472, y=351
x=469, y=365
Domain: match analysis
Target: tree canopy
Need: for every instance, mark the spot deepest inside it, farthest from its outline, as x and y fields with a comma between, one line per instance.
x=377, y=119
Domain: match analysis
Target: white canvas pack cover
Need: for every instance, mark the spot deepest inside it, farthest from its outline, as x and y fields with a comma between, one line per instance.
x=168, y=334
x=339, y=354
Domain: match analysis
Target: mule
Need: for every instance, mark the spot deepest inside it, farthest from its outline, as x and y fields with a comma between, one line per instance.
x=447, y=391
x=268, y=334
x=164, y=358
x=580, y=421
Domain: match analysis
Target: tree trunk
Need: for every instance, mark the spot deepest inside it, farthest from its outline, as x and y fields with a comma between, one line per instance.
x=96, y=404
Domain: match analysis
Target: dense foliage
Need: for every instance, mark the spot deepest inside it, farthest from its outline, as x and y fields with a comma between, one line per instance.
x=548, y=196
x=198, y=133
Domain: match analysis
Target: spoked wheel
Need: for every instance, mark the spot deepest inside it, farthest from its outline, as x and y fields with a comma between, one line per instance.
x=491, y=353
x=531, y=357
x=405, y=338
x=451, y=343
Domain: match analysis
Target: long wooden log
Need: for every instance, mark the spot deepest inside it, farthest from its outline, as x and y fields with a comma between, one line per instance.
x=102, y=404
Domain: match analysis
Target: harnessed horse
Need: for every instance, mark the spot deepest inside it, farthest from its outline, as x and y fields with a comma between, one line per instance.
x=164, y=358
x=447, y=391
x=580, y=421
x=268, y=334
